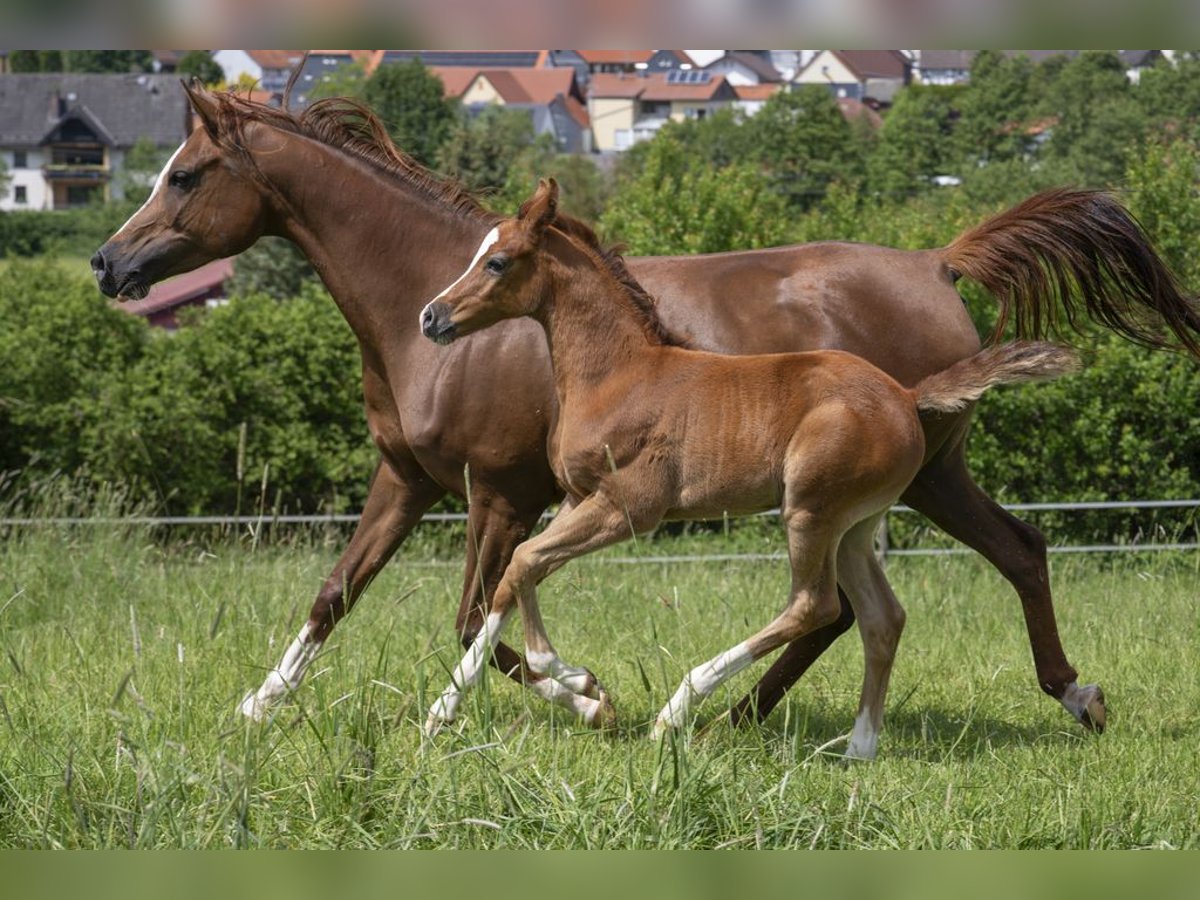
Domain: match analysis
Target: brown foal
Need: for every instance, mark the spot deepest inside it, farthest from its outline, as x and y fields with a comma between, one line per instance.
x=650, y=430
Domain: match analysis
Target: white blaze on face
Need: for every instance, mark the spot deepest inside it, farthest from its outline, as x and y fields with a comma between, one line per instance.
x=159, y=183
x=490, y=238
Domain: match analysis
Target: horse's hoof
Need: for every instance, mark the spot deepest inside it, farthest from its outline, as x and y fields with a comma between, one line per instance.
x=660, y=730
x=434, y=724
x=1087, y=705
x=1095, y=713
x=605, y=716
x=582, y=682
x=254, y=709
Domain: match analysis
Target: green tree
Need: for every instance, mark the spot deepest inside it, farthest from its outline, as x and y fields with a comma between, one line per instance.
x=916, y=141
x=481, y=149
x=349, y=80
x=200, y=64
x=143, y=162
x=1096, y=118
x=1162, y=180
x=61, y=350
x=273, y=267
x=1169, y=94
x=678, y=204
x=803, y=141
x=584, y=189
x=107, y=61
x=411, y=101
x=993, y=108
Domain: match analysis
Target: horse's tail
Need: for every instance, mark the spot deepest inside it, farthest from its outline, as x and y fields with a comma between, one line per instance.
x=1078, y=251
x=950, y=390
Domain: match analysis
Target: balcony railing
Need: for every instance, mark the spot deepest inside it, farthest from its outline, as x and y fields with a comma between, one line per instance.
x=76, y=172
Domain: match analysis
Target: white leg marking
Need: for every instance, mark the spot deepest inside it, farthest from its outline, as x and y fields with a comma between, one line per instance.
x=864, y=739
x=698, y=684
x=1076, y=698
x=284, y=678
x=158, y=185
x=574, y=678
x=466, y=674
x=491, y=238
x=558, y=693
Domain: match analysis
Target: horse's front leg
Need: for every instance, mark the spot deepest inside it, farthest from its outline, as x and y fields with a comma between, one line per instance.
x=395, y=503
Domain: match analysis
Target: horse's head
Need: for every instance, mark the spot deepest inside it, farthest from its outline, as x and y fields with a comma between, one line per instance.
x=206, y=204
x=503, y=281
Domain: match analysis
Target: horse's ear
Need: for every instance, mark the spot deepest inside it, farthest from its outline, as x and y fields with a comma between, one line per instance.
x=205, y=105
x=540, y=210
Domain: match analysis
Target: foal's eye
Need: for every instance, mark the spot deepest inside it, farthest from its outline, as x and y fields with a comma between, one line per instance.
x=181, y=179
x=496, y=265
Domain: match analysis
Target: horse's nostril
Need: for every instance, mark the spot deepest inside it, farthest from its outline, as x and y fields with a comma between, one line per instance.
x=426, y=317
x=98, y=262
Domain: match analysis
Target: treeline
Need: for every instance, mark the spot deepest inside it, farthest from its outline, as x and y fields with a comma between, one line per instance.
x=267, y=392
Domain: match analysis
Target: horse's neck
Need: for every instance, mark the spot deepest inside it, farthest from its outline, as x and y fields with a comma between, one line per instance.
x=592, y=331
x=381, y=246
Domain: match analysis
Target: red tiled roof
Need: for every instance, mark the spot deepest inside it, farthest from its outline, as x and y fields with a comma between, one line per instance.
x=536, y=86
x=578, y=112
x=652, y=86
x=755, y=91
x=875, y=63
x=182, y=288
x=276, y=59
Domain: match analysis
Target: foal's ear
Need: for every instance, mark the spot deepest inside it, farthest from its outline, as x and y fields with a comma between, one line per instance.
x=540, y=210
x=205, y=105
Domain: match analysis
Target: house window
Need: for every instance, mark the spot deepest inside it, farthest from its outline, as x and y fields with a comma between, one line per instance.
x=20, y=195
x=82, y=194
x=20, y=160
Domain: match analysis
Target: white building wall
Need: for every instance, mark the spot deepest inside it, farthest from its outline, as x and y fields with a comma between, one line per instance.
x=235, y=63
x=37, y=192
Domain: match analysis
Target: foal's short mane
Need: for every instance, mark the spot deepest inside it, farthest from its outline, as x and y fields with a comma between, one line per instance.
x=610, y=260
x=345, y=124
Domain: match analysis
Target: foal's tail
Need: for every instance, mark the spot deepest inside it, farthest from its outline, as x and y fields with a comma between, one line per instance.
x=1063, y=252
x=950, y=390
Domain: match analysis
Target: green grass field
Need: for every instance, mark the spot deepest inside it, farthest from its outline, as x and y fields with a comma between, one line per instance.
x=124, y=659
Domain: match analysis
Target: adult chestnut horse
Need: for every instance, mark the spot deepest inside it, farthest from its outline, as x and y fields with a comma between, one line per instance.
x=384, y=235
x=650, y=430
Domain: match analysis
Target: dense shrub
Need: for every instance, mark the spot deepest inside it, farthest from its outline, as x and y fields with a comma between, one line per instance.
x=75, y=232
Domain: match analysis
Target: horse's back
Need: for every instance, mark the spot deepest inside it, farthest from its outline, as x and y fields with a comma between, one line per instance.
x=897, y=308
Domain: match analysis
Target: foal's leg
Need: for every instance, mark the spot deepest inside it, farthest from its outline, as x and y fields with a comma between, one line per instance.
x=395, y=503
x=595, y=523
x=495, y=528
x=813, y=604
x=792, y=663
x=880, y=622
x=945, y=492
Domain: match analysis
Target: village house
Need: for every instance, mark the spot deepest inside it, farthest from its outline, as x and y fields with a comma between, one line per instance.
x=874, y=75
x=64, y=137
x=625, y=109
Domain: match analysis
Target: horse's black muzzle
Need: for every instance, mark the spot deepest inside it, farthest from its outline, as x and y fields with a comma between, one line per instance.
x=436, y=324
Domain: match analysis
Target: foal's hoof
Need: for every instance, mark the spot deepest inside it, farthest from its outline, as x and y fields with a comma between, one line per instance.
x=1086, y=704
x=254, y=709
x=605, y=716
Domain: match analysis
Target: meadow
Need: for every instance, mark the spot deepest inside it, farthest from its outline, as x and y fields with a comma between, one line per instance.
x=125, y=655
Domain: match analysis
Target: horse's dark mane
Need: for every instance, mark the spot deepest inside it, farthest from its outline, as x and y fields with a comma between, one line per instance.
x=348, y=125
x=611, y=261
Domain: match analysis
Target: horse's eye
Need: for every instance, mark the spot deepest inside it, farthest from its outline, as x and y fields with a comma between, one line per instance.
x=496, y=265
x=181, y=179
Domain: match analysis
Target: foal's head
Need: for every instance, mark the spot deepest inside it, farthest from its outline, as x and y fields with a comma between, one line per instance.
x=506, y=279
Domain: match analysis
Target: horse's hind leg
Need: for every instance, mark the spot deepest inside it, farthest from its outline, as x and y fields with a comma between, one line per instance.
x=880, y=622
x=813, y=604
x=395, y=503
x=792, y=663
x=945, y=492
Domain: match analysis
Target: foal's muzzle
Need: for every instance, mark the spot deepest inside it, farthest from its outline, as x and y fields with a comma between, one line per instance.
x=436, y=324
